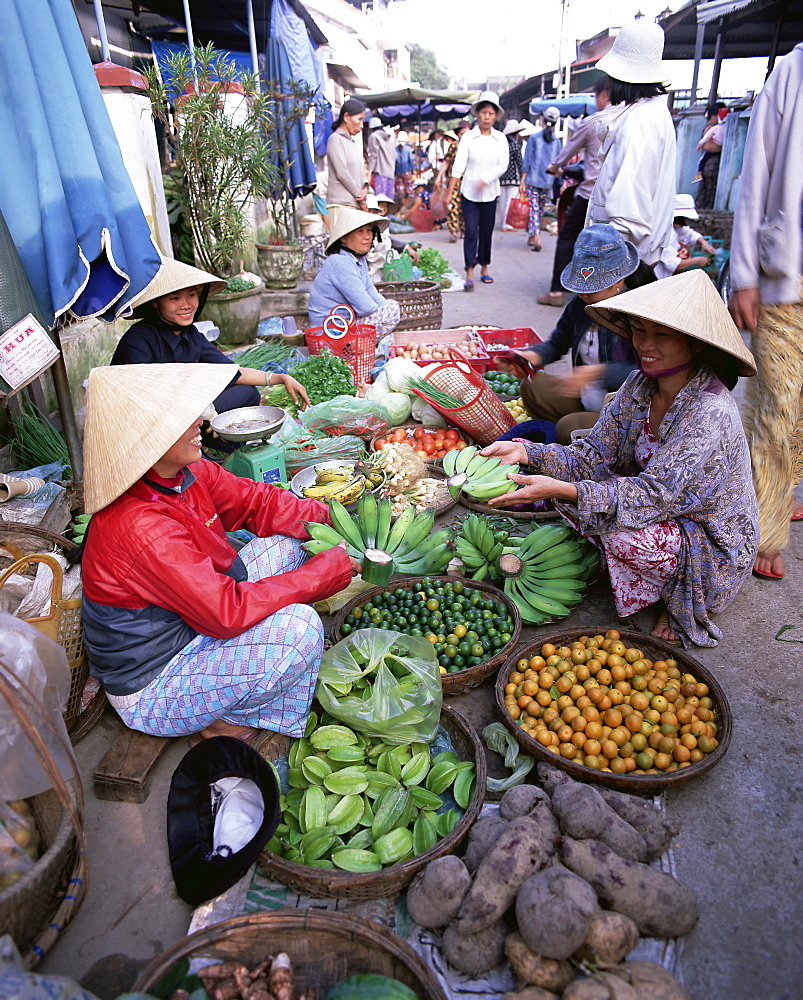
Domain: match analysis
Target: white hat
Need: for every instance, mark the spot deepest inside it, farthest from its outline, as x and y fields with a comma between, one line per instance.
x=686, y=302
x=172, y=277
x=684, y=206
x=346, y=220
x=527, y=129
x=487, y=97
x=375, y=122
x=402, y=137
x=552, y=114
x=636, y=54
x=385, y=198
x=371, y=202
x=134, y=415
x=512, y=126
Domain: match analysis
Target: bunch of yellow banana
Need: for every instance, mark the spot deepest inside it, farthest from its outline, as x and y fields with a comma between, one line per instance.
x=549, y=573
x=344, y=483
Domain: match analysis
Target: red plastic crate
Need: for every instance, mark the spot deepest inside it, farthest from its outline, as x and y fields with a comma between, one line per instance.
x=437, y=338
x=518, y=338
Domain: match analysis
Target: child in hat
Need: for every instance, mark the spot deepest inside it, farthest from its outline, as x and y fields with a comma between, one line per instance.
x=185, y=635
x=345, y=277
x=166, y=332
x=662, y=482
x=689, y=244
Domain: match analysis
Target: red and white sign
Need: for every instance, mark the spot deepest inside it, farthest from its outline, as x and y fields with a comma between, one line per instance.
x=26, y=351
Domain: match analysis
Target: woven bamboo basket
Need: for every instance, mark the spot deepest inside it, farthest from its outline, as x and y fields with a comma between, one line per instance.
x=324, y=948
x=329, y=883
x=517, y=515
x=62, y=623
x=420, y=303
x=37, y=908
x=463, y=680
x=409, y=429
x=655, y=649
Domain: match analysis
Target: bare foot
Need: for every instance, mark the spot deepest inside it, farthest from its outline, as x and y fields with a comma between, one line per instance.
x=221, y=728
x=663, y=631
x=769, y=563
x=797, y=509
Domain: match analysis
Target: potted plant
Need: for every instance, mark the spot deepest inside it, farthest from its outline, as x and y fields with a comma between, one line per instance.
x=280, y=254
x=217, y=126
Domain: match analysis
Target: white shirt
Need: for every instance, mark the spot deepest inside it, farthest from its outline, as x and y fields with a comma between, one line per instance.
x=481, y=158
x=593, y=393
x=635, y=189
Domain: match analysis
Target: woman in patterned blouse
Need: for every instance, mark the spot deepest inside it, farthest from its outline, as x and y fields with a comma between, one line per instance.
x=662, y=482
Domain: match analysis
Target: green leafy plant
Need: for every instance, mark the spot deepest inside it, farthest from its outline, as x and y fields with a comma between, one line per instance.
x=434, y=265
x=238, y=285
x=218, y=130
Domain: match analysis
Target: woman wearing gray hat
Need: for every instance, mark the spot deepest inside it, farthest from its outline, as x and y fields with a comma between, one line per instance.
x=603, y=265
x=482, y=157
x=542, y=148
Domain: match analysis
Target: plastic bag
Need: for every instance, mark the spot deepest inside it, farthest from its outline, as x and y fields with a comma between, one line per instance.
x=518, y=213
x=17, y=984
x=497, y=738
x=41, y=664
x=401, y=703
x=303, y=448
x=347, y=415
x=397, y=267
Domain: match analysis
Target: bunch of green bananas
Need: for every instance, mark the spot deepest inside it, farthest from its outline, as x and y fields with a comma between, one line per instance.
x=549, y=572
x=81, y=524
x=481, y=478
x=409, y=540
x=480, y=548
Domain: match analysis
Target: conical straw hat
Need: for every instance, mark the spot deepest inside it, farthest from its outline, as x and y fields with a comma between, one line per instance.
x=134, y=414
x=686, y=302
x=172, y=277
x=346, y=220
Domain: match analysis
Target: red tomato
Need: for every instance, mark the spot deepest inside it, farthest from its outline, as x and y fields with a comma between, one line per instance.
x=423, y=454
x=451, y=435
x=429, y=447
x=440, y=454
x=427, y=438
x=398, y=436
x=379, y=443
x=460, y=444
x=419, y=432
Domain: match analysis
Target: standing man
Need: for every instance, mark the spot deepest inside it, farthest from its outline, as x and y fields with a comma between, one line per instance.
x=381, y=158
x=766, y=267
x=586, y=141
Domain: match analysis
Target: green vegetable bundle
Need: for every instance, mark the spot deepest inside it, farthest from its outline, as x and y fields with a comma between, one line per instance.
x=324, y=376
x=263, y=354
x=434, y=265
x=37, y=442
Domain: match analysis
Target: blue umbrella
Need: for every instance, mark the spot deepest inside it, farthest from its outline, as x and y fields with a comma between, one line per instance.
x=64, y=189
x=296, y=154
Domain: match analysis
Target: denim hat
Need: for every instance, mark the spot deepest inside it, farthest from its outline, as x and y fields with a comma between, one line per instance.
x=602, y=256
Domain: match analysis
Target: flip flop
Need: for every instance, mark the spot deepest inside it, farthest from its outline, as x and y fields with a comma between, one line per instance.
x=468, y=286
x=797, y=517
x=768, y=576
x=486, y=279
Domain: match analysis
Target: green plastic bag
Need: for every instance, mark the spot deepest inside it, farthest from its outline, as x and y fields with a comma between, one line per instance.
x=397, y=267
x=384, y=684
x=346, y=415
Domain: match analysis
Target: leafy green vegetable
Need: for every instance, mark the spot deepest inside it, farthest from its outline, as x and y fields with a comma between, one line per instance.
x=434, y=265
x=238, y=285
x=37, y=442
x=324, y=376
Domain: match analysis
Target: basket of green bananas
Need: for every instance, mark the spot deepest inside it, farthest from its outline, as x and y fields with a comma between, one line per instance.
x=472, y=626
x=361, y=818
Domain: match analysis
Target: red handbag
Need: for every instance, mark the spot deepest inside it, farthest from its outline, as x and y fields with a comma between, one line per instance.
x=518, y=213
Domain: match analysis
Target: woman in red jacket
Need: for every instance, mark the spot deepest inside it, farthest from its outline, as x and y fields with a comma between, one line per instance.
x=185, y=635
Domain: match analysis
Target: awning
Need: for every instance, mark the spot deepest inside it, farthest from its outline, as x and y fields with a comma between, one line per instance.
x=64, y=190
x=418, y=96
x=576, y=106
x=751, y=28
x=345, y=77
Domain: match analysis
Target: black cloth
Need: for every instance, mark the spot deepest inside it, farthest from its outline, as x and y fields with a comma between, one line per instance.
x=148, y=343
x=478, y=223
x=573, y=224
x=512, y=176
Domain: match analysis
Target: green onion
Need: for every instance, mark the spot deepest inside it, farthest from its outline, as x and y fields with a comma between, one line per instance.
x=263, y=354
x=438, y=396
x=37, y=442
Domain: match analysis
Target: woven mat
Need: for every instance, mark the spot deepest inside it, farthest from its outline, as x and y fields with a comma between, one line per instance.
x=255, y=893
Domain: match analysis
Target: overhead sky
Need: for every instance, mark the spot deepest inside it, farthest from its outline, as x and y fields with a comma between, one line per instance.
x=473, y=41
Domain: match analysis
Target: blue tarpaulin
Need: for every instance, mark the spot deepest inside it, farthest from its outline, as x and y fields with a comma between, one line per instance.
x=64, y=190
x=575, y=106
x=162, y=51
x=296, y=151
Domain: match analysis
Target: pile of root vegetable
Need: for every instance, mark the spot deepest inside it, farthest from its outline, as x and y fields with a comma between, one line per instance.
x=560, y=884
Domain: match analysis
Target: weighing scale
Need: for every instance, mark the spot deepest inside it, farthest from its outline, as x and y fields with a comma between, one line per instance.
x=252, y=427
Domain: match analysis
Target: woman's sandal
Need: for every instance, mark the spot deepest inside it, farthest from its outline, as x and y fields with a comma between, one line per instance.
x=663, y=619
x=486, y=279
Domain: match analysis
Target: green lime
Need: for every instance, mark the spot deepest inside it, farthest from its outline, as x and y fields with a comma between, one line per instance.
x=450, y=649
x=346, y=629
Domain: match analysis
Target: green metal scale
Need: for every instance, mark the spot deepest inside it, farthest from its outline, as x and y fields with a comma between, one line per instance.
x=252, y=427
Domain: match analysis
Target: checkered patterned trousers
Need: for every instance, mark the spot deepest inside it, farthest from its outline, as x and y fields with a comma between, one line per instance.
x=264, y=678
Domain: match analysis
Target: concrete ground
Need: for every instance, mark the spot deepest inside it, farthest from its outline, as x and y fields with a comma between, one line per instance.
x=739, y=846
